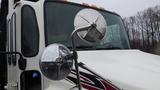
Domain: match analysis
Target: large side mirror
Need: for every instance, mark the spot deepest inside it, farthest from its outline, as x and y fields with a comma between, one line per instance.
x=55, y=62
x=90, y=26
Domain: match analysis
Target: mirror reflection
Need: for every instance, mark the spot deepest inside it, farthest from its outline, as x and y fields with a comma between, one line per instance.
x=96, y=22
x=53, y=63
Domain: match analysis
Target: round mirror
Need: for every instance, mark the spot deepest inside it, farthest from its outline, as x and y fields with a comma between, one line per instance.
x=53, y=63
x=90, y=25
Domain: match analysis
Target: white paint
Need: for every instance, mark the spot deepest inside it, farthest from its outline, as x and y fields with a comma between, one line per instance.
x=128, y=69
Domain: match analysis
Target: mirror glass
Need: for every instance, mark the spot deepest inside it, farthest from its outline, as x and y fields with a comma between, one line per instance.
x=53, y=63
x=90, y=25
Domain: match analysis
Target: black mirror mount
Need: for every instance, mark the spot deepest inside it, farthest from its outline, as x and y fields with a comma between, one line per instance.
x=75, y=56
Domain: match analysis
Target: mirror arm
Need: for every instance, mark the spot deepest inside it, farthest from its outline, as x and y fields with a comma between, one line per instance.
x=22, y=62
x=80, y=29
x=75, y=56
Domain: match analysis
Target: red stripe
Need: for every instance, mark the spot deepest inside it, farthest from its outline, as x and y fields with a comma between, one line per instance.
x=88, y=87
x=108, y=86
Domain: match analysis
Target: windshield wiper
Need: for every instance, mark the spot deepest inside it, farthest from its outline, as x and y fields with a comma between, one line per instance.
x=108, y=48
x=95, y=48
x=83, y=47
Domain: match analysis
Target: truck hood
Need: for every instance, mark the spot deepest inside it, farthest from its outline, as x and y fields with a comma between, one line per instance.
x=127, y=69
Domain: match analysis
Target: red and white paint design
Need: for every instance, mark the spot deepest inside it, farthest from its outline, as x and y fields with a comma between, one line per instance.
x=91, y=82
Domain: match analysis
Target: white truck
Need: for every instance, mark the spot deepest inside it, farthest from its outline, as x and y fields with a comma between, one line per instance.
x=61, y=45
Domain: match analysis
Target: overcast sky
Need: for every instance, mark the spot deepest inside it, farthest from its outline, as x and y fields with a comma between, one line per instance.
x=125, y=8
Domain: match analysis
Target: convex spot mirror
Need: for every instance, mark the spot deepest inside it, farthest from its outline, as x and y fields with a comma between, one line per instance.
x=90, y=25
x=54, y=64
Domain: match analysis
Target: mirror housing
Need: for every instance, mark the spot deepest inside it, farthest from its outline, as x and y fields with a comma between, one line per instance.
x=56, y=62
x=90, y=26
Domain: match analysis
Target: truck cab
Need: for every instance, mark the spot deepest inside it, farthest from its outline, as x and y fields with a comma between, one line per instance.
x=34, y=25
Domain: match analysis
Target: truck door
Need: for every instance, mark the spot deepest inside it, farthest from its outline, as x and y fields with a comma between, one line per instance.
x=30, y=79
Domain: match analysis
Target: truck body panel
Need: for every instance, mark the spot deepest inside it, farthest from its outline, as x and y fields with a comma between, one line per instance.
x=30, y=29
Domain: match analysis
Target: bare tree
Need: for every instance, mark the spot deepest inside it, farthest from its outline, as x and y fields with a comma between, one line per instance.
x=143, y=29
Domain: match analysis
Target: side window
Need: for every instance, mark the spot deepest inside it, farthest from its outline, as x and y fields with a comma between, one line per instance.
x=31, y=80
x=29, y=33
x=8, y=35
x=8, y=41
x=12, y=33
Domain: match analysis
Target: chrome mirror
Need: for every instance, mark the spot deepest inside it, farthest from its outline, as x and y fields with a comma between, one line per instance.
x=90, y=26
x=55, y=63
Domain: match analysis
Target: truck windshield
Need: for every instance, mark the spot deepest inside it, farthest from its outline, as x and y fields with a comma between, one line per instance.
x=59, y=24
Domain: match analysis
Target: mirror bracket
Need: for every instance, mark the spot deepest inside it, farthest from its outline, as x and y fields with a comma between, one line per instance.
x=75, y=56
